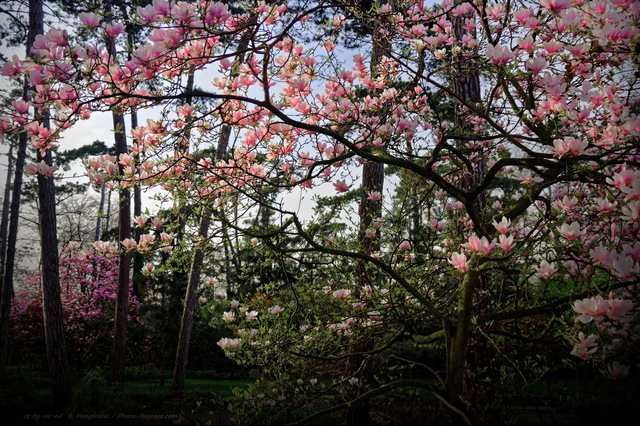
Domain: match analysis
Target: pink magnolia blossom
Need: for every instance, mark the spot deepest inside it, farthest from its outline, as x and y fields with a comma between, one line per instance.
x=537, y=65
x=571, y=231
x=588, y=308
x=342, y=294
x=525, y=176
x=617, y=370
x=623, y=266
x=140, y=220
x=480, y=245
x=600, y=254
x=552, y=46
x=228, y=316
x=546, y=269
x=105, y=246
x=145, y=241
x=437, y=225
x=275, y=310
x=503, y=226
x=125, y=159
x=405, y=245
x=89, y=20
x=375, y=196
x=499, y=55
x=113, y=29
x=623, y=178
x=148, y=268
x=14, y=69
x=129, y=244
x=618, y=309
x=555, y=5
x=585, y=346
x=568, y=203
x=251, y=314
x=527, y=43
x=459, y=261
x=568, y=146
x=631, y=212
x=341, y=186
x=227, y=343
x=506, y=243
x=40, y=168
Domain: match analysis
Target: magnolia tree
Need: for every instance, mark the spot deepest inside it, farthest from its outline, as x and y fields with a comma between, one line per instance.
x=526, y=201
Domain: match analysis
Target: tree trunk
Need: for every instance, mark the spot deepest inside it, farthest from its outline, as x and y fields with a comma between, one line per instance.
x=138, y=258
x=118, y=358
x=103, y=190
x=54, y=331
x=51, y=299
x=460, y=362
x=186, y=320
x=186, y=323
x=456, y=362
x=124, y=262
x=6, y=291
x=372, y=181
x=6, y=202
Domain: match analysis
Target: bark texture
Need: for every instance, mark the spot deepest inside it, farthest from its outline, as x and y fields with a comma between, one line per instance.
x=372, y=181
x=186, y=323
x=119, y=353
x=51, y=299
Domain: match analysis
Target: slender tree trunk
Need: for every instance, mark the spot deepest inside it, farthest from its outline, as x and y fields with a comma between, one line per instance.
x=138, y=258
x=107, y=218
x=12, y=237
x=456, y=362
x=119, y=354
x=103, y=191
x=118, y=359
x=186, y=323
x=6, y=202
x=6, y=292
x=372, y=181
x=14, y=219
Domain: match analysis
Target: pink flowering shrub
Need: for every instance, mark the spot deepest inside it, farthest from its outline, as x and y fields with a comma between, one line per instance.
x=88, y=284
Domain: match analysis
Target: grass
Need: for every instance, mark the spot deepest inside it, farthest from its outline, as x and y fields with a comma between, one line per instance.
x=141, y=386
x=143, y=398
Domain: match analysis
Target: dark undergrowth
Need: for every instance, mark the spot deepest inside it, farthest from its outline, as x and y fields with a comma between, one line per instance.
x=146, y=399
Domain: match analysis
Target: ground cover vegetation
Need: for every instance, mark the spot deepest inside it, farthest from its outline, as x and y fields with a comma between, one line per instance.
x=367, y=206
